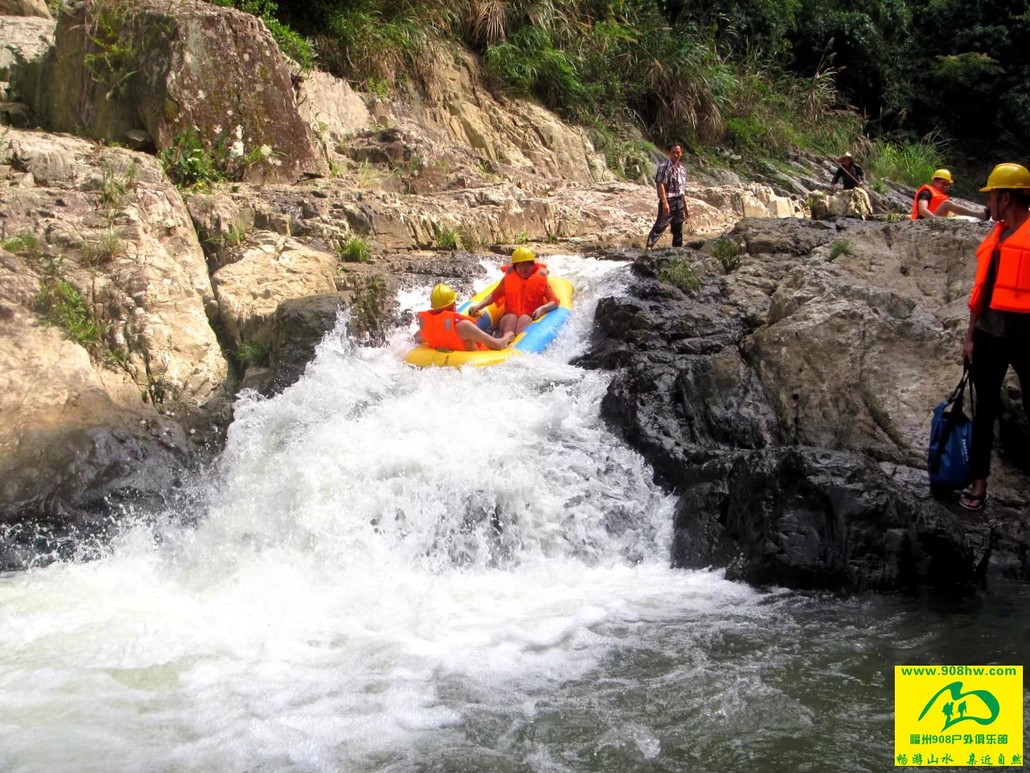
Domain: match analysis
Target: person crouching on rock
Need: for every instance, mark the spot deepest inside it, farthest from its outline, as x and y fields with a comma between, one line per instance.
x=444, y=328
x=933, y=201
x=999, y=316
x=526, y=293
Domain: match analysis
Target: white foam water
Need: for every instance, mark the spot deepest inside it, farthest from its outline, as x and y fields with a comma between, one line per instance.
x=383, y=558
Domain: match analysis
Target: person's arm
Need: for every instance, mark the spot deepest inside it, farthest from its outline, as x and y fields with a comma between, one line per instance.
x=967, y=347
x=475, y=308
x=968, y=210
x=663, y=198
x=550, y=304
x=837, y=176
x=923, y=205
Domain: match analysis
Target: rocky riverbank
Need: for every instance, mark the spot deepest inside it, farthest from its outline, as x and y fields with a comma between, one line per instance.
x=788, y=399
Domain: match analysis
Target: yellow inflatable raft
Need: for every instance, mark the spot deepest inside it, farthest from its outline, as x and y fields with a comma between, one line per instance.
x=535, y=338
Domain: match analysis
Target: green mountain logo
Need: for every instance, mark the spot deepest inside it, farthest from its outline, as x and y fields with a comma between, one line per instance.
x=959, y=709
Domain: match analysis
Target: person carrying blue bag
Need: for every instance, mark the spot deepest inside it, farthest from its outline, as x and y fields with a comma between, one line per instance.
x=999, y=316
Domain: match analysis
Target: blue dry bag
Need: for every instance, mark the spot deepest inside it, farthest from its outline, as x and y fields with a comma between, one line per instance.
x=951, y=436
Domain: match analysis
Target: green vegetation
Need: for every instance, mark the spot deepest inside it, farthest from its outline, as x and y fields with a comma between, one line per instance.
x=738, y=81
x=102, y=250
x=617, y=68
x=447, y=239
x=840, y=247
x=355, y=250
x=61, y=304
x=912, y=163
x=26, y=245
x=727, y=252
x=253, y=352
x=191, y=162
x=680, y=274
x=522, y=237
x=115, y=187
x=112, y=52
x=234, y=235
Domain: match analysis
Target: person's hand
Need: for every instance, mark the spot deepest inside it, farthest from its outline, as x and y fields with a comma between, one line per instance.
x=967, y=352
x=473, y=310
x=665, y=207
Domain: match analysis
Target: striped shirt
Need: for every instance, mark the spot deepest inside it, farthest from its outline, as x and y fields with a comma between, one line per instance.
x=673, y=177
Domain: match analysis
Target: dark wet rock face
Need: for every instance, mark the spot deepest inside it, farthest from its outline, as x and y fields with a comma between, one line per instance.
x=787, y=402
x=71, y=488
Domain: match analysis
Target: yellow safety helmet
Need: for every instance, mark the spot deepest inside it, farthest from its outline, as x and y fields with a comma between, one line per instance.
x=943, y=174
x=1008, y=176
x=522, y=255
x=441, y=297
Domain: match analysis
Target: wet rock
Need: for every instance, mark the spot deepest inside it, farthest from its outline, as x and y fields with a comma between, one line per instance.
x=64, y=491
x=787, y=401
x=299, y=326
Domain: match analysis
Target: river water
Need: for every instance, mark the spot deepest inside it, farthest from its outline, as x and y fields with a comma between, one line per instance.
x=448, y=570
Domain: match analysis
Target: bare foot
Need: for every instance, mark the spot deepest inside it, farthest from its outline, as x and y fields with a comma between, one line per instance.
x=507, y=338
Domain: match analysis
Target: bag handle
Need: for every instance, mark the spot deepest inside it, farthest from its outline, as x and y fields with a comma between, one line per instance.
x=958, y=394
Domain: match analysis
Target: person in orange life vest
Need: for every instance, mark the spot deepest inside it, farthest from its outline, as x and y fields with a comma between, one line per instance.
x=527, y=294
x=444, y=328
x=999, y=316
x=933, y=201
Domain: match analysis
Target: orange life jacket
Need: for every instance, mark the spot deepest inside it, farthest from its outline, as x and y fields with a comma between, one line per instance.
x=936, y=199
x=524, y=296
x=440, y=330
x=1012, y=280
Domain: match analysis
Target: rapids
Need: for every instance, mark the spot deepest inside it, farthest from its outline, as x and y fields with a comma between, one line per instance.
x=404, y=570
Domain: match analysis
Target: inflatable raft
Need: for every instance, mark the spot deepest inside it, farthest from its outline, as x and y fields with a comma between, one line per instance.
x=535, y=338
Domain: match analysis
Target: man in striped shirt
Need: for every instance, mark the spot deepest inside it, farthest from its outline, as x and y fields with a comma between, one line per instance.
x=671, y=181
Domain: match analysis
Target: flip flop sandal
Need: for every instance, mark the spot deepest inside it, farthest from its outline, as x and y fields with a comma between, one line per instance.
x=973, y=502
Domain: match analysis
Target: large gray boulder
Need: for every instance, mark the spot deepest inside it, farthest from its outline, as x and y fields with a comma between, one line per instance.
x=193, y=77
x=37, y=8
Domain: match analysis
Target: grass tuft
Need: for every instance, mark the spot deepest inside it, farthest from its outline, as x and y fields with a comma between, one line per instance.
x=354, y=250
x=681, y=275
